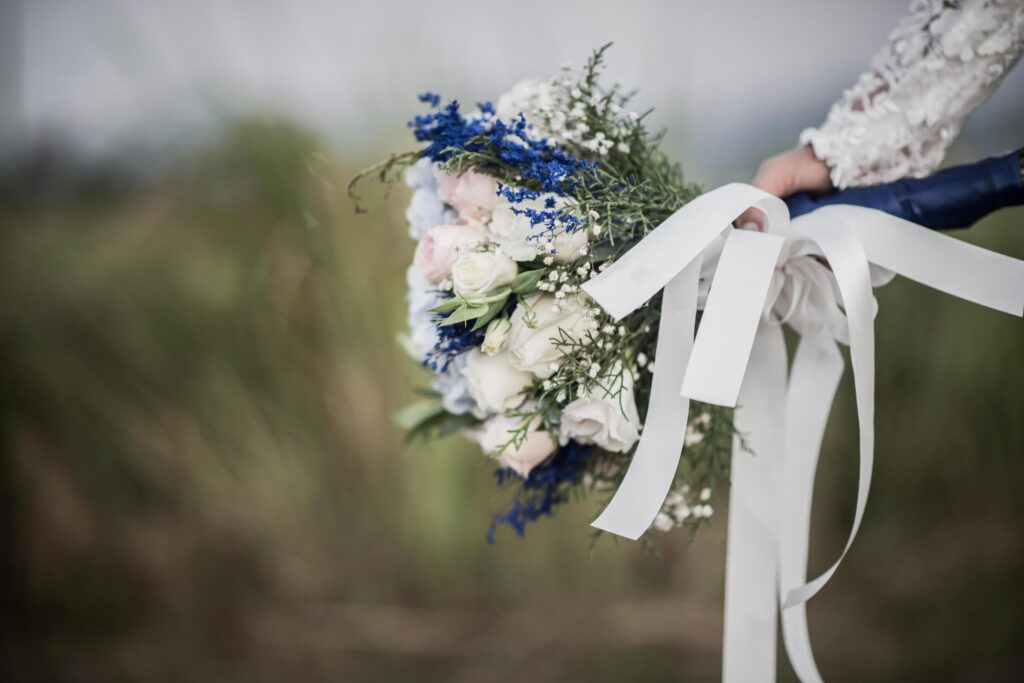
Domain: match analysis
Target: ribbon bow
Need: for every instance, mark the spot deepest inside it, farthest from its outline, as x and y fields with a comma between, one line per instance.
x=738, y=359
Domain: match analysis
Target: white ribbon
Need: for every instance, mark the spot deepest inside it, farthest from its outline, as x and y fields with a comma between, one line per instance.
x=738, y=358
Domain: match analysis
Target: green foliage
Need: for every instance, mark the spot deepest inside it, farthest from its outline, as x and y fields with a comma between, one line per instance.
x=387, y=173
x=427, y=420
x=415, y=414
x=526, y=282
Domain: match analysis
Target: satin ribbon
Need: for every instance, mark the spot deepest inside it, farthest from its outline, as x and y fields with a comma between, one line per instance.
x=738, y=359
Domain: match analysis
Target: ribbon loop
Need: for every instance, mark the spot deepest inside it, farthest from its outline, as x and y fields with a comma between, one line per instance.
x=731, y=316
x=645, y=269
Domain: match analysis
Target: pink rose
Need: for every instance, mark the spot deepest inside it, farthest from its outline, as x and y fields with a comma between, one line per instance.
x=440, y=246
x=473, y=195
x=535, y=448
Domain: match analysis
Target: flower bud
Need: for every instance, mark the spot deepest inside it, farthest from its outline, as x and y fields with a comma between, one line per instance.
x=497, y=333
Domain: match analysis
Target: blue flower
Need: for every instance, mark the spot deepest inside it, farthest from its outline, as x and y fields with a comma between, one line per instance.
x=451, y=341
x=546, y=166
x=432, y=98
x=543, y=491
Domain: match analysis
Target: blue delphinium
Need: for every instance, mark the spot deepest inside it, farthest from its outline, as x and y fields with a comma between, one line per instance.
x=431, y=98
x=543, y=166
x=539, y=494
x=451, y=341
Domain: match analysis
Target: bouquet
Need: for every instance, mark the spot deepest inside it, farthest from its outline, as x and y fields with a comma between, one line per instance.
x=515, y=205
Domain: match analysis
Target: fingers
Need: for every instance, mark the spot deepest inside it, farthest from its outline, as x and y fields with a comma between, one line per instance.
x=774, y=177
x=777, y=175
x=751, y=219
x=782, y=175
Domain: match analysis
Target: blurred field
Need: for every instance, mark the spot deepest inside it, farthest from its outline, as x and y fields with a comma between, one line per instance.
x=200, y=480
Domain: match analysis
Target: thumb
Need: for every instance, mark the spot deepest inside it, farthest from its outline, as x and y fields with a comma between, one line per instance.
x=774, y=178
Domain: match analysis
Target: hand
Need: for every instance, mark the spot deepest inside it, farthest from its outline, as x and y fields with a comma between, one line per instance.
x=782, y=175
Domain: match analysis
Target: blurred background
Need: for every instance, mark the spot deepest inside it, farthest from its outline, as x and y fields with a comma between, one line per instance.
x=200, y=479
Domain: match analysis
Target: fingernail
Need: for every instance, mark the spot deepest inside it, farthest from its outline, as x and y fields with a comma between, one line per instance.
x=751, y=225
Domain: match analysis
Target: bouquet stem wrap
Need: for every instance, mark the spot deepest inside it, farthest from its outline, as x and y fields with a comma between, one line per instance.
x=738, y=359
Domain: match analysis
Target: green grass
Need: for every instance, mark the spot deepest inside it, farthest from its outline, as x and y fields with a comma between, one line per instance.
x=200, y=479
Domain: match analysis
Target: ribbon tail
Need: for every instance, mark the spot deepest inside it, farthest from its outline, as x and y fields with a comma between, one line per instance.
x=813, y=380
x=751, y=603
x=640, y=496
x=850, y=265
x=944, y=263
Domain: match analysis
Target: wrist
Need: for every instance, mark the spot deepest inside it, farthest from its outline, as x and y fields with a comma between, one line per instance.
x=816, y=175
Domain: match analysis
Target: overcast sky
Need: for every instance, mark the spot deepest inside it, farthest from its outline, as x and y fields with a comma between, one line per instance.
x=732, y=79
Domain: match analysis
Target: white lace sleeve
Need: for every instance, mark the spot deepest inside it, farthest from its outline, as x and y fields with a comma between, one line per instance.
x=939, y=63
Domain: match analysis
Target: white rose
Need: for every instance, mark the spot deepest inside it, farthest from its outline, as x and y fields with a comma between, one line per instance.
x=511, y=231
x=535, y=328
x=441, y=245
x=493, y=383
x=480, y=272
x=605, y=416
x=537, y=446
x=569, y=246
x=521, y=240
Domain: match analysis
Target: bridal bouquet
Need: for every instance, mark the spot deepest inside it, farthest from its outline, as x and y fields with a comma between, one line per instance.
x=515, y=204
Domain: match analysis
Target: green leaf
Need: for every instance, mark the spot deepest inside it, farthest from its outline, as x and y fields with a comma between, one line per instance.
x=448, y=306
x=448, y=424
x=494, y=295
x=527, y=281
x=439, y=426
x=415, y=414
x=464, y=313
x=492, y=310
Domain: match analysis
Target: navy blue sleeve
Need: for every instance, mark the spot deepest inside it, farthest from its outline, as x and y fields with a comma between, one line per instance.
x=954, y=198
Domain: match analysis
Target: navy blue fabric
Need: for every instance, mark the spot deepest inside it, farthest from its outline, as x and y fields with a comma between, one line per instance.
x=954, y=198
